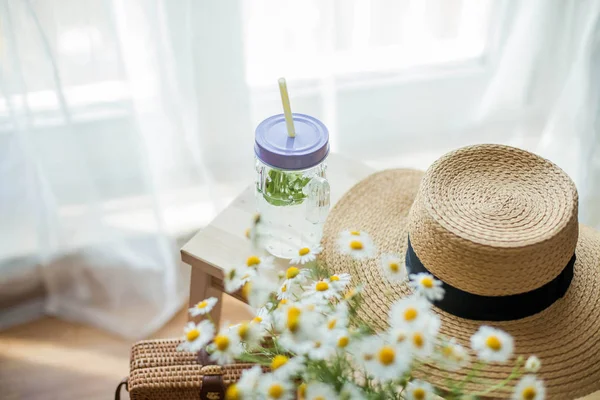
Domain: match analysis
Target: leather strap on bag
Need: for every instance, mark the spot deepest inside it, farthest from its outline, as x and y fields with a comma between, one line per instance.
x=212, y=387
x=119, y=386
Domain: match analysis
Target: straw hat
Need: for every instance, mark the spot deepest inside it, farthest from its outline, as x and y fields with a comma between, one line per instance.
x=498, y=226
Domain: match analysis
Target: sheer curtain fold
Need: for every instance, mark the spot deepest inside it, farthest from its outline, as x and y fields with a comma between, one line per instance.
x=547, y=83
x=125, y=125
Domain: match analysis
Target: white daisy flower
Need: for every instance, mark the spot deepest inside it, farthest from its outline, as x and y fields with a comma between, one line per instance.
x=322, y=289
x=203, y=307
x=419, y=390
x=273, y=387
x=306, y=255
x=421, y=340
x=263, y=316
x=340, y=281
x=529, y=388
x=338, y=319
x=409, y=312
x=260, y=263
x=350, y=234
x=226, y=347
x=258, y=291
x=196, y=336
x=398, y=335
x=426, y=285
x=393, y=267
x=353, y=292
x=359, y=245
x=341, y=339
x=286, y=368
x=249, y=333
x=533, y=364
x=351, y=392
x=296, y=276
x=237, y=276
x=320, y=391
x=492, y=344
x=285, y=292
x=316, y=345
x=452, y=355
x=245, y=387
x=382, y=360
x=298, y=321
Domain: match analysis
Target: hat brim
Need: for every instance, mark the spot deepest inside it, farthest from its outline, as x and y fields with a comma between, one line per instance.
x=565, y=336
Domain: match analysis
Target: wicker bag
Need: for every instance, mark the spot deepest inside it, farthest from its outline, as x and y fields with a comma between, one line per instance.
x=159, y=372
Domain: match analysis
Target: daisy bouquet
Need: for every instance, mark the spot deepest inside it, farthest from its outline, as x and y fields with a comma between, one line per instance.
x=307, y=335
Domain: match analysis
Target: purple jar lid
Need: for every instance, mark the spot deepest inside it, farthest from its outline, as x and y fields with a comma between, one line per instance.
x=274, y=147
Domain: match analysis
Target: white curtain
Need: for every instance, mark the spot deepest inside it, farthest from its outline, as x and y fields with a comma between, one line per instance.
x=126, y=125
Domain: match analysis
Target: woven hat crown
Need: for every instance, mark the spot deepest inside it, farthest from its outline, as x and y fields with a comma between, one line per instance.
x=494, y=220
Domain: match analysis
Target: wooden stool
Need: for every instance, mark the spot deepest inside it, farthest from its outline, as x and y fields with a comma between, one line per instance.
x=223, y=241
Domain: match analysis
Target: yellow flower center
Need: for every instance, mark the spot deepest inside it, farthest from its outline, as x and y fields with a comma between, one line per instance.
x=282, y=303
x=319, y=398
x=246, y=289
x=293, y=319
x=529, y=393
x=334, y=278
x=222, y=342
x=331, y=325
x=243, y=331
x=419, y=394
x=202, y=304
x=394, y=267
x=192, y=335
x=427, y=282
x=303, y=251
x=447, y=351
x=410, y=314
x=278, y=361
x=356, y=245
x=232, y=393
x=257, y=319
x=322, y=286
x=343, y=341
x=252, y=261
x=418, y=340
x=493, y=343
x=317, y=344
x=387, y=355
x=400, y=337
x=355, y=233
x=276, y=391
x=292, y=272
x=284, y=289
x=302, y=390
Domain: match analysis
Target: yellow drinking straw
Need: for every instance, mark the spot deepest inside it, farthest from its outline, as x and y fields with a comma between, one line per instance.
x=287, y=111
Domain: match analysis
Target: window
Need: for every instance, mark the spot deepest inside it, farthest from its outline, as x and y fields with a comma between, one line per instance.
x=343, y=38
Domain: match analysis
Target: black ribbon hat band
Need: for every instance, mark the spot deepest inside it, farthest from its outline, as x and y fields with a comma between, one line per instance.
x=496, y=308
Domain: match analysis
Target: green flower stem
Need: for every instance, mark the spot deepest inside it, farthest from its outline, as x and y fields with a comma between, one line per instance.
x=501, y=384
x=472, y=374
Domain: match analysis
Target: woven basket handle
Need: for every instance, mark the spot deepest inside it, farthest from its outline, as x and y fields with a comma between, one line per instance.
x=118, y=391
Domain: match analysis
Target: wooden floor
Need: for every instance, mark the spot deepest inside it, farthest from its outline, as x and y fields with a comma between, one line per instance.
x=51, y=359
x=55, y=360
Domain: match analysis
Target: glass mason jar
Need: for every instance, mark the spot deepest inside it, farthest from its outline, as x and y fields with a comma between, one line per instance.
x=292, y=191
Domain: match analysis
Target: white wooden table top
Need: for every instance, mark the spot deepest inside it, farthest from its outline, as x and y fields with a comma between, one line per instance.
x=223, y=242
